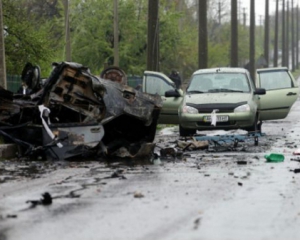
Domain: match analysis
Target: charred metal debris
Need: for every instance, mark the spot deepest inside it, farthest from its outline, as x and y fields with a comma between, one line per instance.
x=75, y=114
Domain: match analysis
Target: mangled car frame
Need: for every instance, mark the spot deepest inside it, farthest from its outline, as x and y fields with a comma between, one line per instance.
x=76, y=114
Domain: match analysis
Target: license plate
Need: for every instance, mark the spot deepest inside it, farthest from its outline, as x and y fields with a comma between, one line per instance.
x=219, y=119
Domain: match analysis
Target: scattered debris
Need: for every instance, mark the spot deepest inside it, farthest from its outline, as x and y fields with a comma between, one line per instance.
x=197, y=222
x=230, y=142
x=168, y=152
x=138, y=195
x=297, y=170
x=297, y=152
x=118, y=174
x=46, y=200
x=274, y=157
x=193, y=145
x=295, y=159
x=242, y=162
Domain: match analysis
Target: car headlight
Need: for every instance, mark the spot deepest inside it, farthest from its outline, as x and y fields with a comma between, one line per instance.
x=188, y=109
x=242, y=108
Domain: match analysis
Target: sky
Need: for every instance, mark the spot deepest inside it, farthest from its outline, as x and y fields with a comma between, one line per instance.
x=259, y=8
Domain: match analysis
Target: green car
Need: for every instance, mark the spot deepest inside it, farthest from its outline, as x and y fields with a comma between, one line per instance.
x=226, y=98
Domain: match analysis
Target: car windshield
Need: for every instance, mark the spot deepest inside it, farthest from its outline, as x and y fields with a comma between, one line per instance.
x=219, y=82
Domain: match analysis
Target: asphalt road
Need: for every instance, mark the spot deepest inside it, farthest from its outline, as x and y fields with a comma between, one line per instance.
x=202, y=195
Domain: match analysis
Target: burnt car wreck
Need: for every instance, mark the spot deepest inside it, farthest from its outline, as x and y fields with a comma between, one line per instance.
x=75, y=114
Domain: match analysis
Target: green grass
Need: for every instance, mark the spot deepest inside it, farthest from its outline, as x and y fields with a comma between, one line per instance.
x=296, y=74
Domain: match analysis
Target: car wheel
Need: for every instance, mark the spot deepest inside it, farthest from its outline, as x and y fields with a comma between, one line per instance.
x=183, y=132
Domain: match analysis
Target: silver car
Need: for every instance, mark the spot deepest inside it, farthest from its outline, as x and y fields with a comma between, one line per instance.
x=224, y=98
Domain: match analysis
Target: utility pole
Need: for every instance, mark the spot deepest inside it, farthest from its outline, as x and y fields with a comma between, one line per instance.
x=293, y=38
x=287, y=58
x=219, y=13
x=275, y=60
x=244, y=17
x=267, y=26
x=153, y=36
x=3, y=82
x=234, y=35
x=297, y=37
x=202, y=44
x=116, y=34
x=283, y=33
x=252, y=41
x=67, y=29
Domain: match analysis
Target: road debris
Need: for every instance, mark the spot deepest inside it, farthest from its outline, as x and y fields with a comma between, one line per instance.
x=138, y=195
x=242, y=162
x=297, y=170
x=274, y=157
x=297, y=152
x=46, y=200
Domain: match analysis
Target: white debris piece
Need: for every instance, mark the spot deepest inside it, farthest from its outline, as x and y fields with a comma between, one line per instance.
x=214, y=117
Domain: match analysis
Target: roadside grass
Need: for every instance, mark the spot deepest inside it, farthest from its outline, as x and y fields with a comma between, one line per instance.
x=296, y=74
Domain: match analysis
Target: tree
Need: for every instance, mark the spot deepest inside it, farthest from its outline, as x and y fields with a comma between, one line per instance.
x=2, y=52
x=153, y=36
x=252, y=40
x=275, y=60
x=234, y=35
x=29, y=37
x=202, y=42
x=266, y=39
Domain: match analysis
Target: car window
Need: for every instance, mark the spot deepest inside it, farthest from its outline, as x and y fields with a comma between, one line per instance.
x=271, y=80
x=156, y=85
x=207, y=82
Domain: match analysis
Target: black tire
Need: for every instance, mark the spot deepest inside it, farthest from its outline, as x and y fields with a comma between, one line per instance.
x=184, y=132
x=256, y=127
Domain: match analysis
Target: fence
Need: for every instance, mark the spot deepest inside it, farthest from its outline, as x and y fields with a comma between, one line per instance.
x=134, y=81
x=13, y=82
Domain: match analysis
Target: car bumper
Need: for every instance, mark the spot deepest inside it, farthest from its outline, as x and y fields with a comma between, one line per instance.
x=235, y=121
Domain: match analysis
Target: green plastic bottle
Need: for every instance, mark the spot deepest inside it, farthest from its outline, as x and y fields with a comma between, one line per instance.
x=274, y=157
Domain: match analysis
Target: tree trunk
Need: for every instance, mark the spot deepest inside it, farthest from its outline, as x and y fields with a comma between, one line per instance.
x=267, y=27
x=283, y=33
x=252, y=41
x=293, y=38
x=67, y=29
x=153, y=36
x=3, y=82
x=275, y=60
x=116, y=34
x=202, y=41
x=234, y=35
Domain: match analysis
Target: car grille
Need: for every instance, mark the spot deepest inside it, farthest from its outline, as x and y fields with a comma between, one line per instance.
x=222, y=107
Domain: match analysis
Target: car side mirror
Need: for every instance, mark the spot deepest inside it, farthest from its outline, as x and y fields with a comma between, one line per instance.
x=260, y=91
x=172, y=93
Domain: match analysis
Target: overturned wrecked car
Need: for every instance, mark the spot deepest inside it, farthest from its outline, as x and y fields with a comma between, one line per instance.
x=76, y=114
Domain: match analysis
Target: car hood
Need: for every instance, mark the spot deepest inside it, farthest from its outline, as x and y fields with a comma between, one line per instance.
x=213, y=98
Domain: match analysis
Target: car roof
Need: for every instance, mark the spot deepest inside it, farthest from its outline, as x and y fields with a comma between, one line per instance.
x=270, y=69
x=164, y=76
x=155, y=73
x=222, y=69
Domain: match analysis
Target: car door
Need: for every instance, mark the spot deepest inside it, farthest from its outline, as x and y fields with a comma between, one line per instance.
x=281, y=92
x=159, y=83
